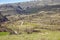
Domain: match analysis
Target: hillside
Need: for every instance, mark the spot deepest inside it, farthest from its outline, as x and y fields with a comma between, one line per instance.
x=26, y=7
x=34, y=20
x=30, y=16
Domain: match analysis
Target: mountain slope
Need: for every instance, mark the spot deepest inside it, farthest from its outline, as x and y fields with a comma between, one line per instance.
x=25, y=7
x=40, y=16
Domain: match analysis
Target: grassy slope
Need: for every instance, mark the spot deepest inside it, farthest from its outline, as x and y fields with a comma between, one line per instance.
x=49, y=35
x=49, y=21
x=40, y=23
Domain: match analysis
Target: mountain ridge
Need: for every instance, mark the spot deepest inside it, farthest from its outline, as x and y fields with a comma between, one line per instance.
x=23, y=7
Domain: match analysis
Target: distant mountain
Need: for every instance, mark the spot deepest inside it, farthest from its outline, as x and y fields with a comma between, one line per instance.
x=26, y=7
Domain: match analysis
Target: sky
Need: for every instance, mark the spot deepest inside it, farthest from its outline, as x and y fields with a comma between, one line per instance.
x=11, y=1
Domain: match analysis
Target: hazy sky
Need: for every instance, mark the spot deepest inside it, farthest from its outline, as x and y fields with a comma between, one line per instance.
x=11, y=1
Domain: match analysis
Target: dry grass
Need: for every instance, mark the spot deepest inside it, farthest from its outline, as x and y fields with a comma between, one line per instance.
x=48, y=35
x=35, y=23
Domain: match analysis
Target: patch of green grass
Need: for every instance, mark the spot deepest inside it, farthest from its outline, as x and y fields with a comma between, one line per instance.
x=4, y=33
x=48, y=35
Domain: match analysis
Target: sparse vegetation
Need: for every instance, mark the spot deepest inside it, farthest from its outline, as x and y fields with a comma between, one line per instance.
x=33, y=23
x=49, y=35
